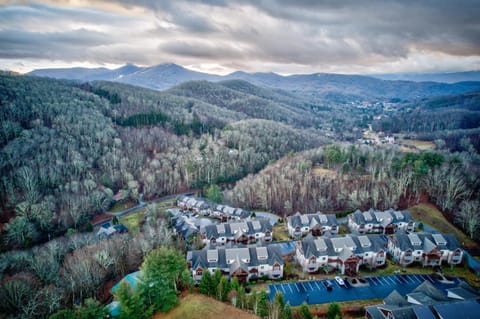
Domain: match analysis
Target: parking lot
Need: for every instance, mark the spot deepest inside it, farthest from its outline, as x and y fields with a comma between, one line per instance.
x=314, y=292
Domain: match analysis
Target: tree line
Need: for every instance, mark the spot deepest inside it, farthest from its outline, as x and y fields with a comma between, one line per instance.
x=348, y=177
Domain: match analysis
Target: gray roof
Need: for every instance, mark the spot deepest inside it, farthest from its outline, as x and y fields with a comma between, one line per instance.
x=394, y=298
x=325, y=246
x=236, y=229
x=468, y=309
x=431, y=291
x=462, y=293
x=427, y=241
x=434, y=305
x=312, y=220
x=374, y=312
x=423, y=312
x=241, y=257
x=380, y=217
x=184, y=225
x=202, y=203
x=404, y=313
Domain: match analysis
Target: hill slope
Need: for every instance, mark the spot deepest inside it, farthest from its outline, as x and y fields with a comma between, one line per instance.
x=337, y=87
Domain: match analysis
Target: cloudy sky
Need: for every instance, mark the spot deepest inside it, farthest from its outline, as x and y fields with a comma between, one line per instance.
x=220, y=36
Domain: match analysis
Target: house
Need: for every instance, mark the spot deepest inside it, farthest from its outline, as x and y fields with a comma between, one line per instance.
x=317, y=224
x=425, y=248
x=206, y=208
x=244, y=232
x=346, y=254
x=426, y=302
x=224, y=212
x=184, y=225
x=194, y=204
x=245, y=263
x=380, y=222
x=107, y=229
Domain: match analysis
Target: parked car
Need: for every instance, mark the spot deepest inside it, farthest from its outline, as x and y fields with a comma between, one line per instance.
x=339, y=281
x=328, y=284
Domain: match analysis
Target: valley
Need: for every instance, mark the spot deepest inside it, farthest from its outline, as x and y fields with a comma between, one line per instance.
x=70, y=149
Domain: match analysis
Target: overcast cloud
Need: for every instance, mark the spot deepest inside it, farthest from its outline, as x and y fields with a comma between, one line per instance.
x=220, y=36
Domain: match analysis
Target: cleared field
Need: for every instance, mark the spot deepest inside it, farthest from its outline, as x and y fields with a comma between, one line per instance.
x=430, y=215
x=320, y=171
x=419, y=144
x=196, y=306
x=133, y=221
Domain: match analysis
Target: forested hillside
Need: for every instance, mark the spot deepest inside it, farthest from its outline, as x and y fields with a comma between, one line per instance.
x=67, y=148
x=349, y=177
x=449, y=118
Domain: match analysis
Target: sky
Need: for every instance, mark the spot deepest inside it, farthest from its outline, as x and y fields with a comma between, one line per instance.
x=221, y=36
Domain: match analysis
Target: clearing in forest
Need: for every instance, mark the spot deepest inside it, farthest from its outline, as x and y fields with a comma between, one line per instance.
x=320, y=171
x=418, y=145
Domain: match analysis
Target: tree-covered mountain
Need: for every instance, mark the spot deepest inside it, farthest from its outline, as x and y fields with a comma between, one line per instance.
x=448, y=118
x=452, y=77
x=336, y=87
x=66, y=147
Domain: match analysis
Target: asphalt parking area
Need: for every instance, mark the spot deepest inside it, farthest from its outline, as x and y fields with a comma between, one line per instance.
x=314, y=292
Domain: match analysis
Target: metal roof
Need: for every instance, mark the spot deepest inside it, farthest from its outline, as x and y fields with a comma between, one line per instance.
x=320, y=244
x=262, y=253
x=414, y=239
x=364, y=241
x=439, y=239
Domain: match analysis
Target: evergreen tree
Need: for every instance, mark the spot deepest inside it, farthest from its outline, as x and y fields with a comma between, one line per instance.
x=217, y=276
x=131, y=304
x=162, y=270
x=304, y=312
x=235, y=283
x=206, y=283
x=214, y=193
x=92, y=309
x=262, y=304
x=223, y=289
x=287, y=311
x=334, y=311
x=279, y=302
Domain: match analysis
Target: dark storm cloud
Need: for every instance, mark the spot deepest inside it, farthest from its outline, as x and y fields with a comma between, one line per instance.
x=388, y=29
x=202, y=50
x=312, y=34
x=19, y=14
x=68, y=46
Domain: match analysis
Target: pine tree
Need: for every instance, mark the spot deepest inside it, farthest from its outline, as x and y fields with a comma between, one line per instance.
x=304, y=312
x=206, y=283
x=262, y=304
x=333, y=311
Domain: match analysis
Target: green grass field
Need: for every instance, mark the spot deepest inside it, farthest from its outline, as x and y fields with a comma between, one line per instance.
x=196, y=306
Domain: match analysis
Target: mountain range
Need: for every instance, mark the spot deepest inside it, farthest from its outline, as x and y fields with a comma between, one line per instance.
x=337, y=87
x=453, y=77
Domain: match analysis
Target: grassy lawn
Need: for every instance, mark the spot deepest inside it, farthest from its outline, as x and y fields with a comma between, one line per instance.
x=430, y=215
x=279, y=233
x=196, y=306
x=133, y=221
x=122, y=205
x=420, y=145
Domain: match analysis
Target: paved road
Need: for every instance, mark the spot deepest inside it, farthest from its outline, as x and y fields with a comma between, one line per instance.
x=141, y=205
